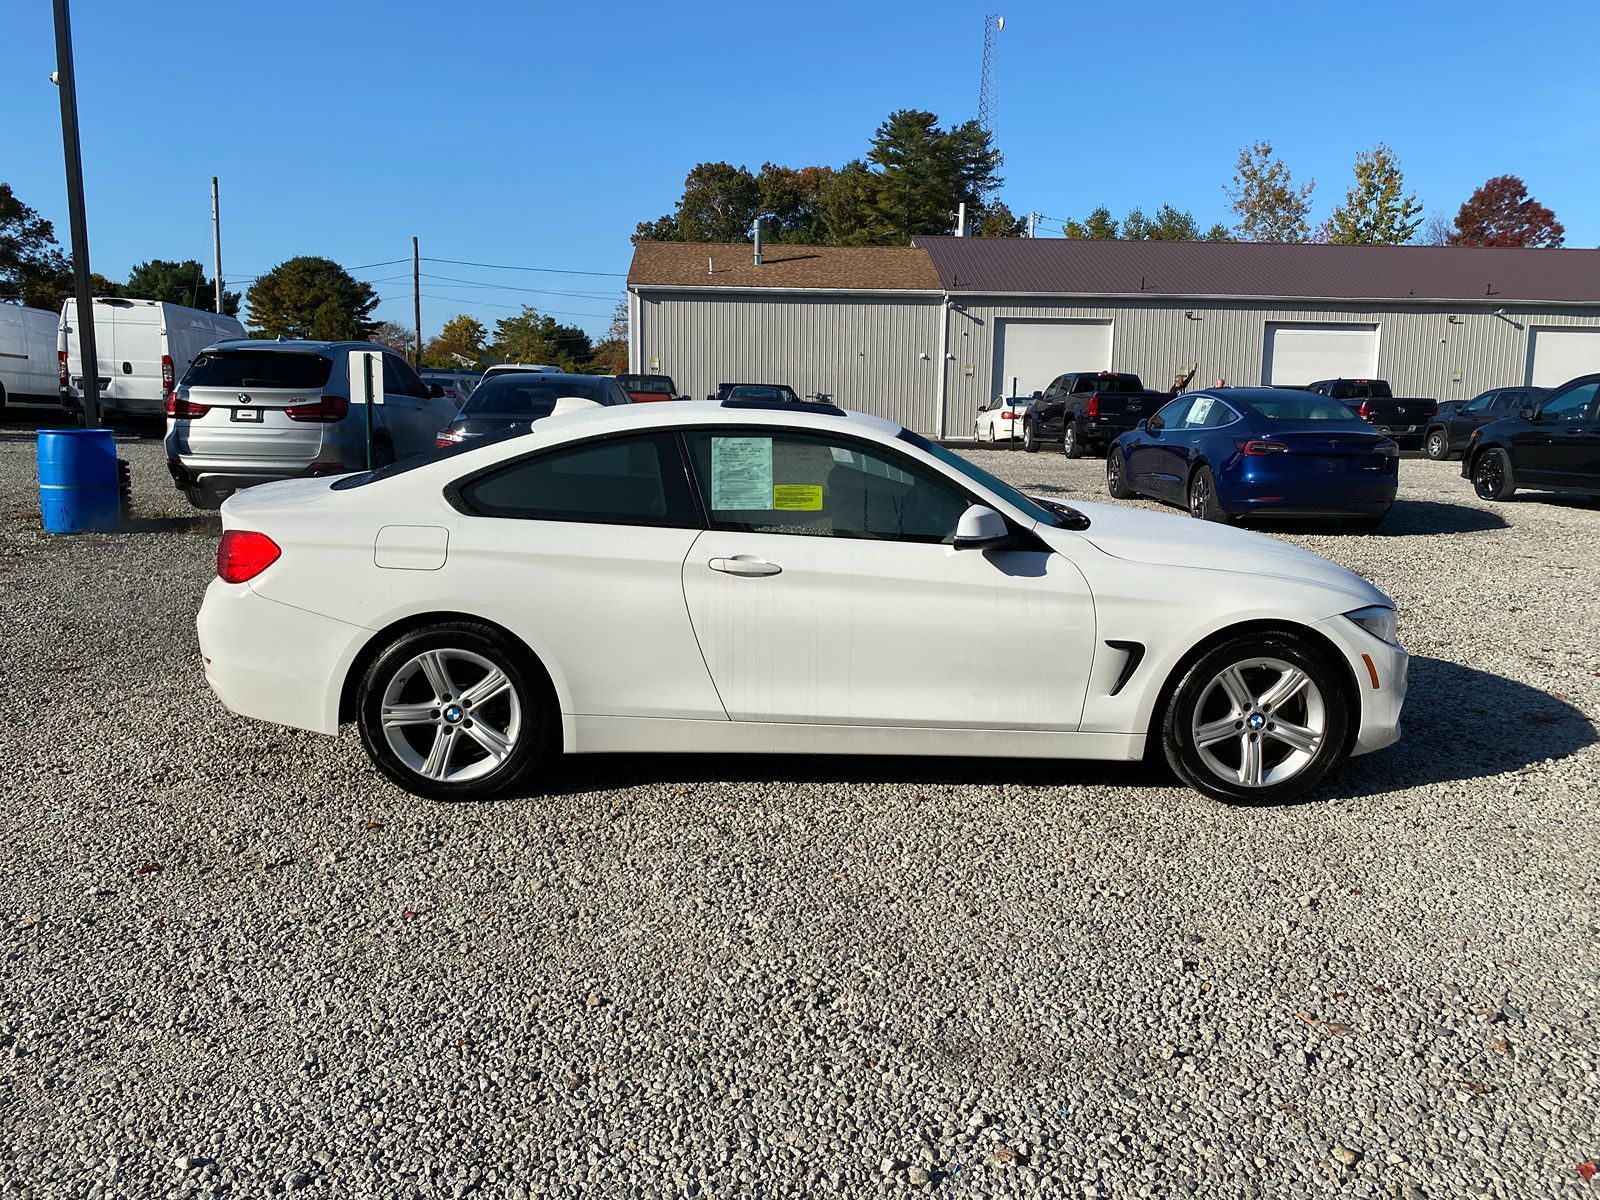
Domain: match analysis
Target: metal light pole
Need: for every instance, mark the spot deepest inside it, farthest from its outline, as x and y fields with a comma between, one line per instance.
x=216, y=240
x=67, y=83
x=416, y=298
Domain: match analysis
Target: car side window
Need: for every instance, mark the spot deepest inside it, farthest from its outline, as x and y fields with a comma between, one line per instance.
x=620, y=481
x=1207, y=412
x=1171, y=415
x=1573, y=404
x=754, y=481
x=400, y=380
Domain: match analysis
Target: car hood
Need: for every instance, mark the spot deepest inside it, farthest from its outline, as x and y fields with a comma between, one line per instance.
x=1161, y=539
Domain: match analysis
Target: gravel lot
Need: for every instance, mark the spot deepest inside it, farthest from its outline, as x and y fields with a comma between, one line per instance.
x=238, y=963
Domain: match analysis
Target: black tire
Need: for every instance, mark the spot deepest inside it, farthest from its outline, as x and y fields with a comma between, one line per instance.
x=991, y=433
x=1436, y=444
x=1117, y=475
x=522, y=714
x=382, y=451
x=1492, y=476
x=1028, y=443
x=1201, y=701
x=1203, y=498
x=202, y=499
x=1071, y=442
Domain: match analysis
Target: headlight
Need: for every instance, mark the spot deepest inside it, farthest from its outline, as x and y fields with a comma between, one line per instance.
x=1379, y=621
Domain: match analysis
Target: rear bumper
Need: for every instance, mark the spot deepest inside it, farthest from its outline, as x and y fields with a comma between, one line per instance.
x=273, y=662
x=1107, y=430
x=1258, y=489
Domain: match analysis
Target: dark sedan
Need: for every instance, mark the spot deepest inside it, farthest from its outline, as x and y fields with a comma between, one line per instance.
x=1238, y=452
x=1552, y=445
x=1447, y=434
x=518, y=400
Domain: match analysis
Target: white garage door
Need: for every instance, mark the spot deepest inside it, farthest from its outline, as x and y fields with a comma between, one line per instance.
x=1557, y=355
x=1301, y=354
x=1035, y=352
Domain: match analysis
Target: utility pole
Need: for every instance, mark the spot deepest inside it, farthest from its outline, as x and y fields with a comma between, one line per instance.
x=66, y=81
x=216, y=241
x=416, y=298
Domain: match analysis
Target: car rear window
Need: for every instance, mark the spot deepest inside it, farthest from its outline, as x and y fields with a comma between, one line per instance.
x=646, y=383
x=527, y=396
x=762, y=391
x=1312, y=408
x=259, y=369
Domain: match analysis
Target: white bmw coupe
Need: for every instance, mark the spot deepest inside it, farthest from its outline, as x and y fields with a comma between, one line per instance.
x=778, y=578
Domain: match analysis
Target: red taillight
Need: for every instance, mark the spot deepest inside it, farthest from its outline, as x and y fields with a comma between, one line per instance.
x=1365, y=411
x=168, y=379
x=329, y=408
x=1262, y=446
x=1094, y=407
x=1008, y=415
x=181, y=410
x=446, y=438
x=242, y=555
x=63, y=375
x=1433, y=410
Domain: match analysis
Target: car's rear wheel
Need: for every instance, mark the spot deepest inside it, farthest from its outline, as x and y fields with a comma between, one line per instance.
x=1028, y=443
x=455, y=712
x=1437, y=445
x=1116, y=475
x=1492, y=476
x=991, y=433
x=1203, y=503
x=1071, y=442
x=1261, y=718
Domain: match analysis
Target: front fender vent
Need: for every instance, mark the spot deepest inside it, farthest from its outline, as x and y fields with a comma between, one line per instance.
x=1135, y=653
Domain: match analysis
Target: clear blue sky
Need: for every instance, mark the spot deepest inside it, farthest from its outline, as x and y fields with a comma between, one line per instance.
x=540, y=134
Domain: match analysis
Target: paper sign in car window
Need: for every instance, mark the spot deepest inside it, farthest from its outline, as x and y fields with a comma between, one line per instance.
x=841, y=455
x=1197, y=414
x=806, y=497
x=741, y=472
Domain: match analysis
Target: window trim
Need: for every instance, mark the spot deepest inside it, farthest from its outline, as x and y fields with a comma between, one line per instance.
x=693, y=511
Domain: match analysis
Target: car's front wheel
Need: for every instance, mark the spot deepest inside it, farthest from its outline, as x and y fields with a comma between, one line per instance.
x=1437, y=445
x=455, y=712
x=1117, y=475
x=1261, y=718
x=1492, y=476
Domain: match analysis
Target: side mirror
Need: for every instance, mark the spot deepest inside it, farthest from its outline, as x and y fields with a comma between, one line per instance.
x=1142, y=426
x=572, y=404
x=1529, y=413
x=436, y=391
x=980, y=528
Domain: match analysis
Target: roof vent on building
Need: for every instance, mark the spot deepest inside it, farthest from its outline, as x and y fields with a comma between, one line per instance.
x=758, y=241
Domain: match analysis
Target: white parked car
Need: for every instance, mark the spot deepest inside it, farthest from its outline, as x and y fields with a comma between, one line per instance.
x=1001, y=419
x=144, y=348
x=749, y=577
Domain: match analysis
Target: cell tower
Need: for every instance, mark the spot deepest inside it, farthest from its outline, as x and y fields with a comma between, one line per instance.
x=989, y=86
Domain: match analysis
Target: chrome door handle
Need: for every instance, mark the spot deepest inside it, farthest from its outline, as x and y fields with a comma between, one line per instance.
x=744, y=564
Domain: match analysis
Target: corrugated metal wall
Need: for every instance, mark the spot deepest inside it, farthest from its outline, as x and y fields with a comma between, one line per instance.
x=875, y=354
x=1420, y=352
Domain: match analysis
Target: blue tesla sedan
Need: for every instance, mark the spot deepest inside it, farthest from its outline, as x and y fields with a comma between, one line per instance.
x=1243, y=452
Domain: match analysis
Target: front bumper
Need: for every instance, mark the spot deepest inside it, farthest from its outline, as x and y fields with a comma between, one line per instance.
x=1380, y=672
x=272, y=661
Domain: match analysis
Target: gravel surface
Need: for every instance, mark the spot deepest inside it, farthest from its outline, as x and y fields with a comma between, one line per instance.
x=239, y=963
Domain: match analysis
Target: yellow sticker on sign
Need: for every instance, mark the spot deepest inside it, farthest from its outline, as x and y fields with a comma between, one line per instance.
x=806, y=496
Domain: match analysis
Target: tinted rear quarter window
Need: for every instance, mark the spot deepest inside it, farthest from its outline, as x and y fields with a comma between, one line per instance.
x=528, y=396
x=622, y=481
x=259, y=369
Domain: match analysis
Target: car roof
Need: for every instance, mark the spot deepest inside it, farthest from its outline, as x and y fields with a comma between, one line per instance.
x=625, y=417
x=292, y=345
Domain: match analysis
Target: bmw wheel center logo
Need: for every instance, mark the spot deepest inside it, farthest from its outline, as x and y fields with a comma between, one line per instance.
x=1256, y=720
x=453, y=713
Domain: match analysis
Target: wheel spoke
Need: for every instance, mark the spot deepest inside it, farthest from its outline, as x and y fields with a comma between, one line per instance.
x=409, y=714
x=1213, y=732
x=437, y=669
x=486, y=689
x=496, y=744
x=1232, y=681
x=1250, y=761
x=437, y=765
x=1290, y=684
x=1298, y=736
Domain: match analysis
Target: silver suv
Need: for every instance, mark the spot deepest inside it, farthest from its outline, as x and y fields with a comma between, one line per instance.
x=248, y=412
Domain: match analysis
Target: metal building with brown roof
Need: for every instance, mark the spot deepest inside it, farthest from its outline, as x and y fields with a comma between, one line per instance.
x=926, y=334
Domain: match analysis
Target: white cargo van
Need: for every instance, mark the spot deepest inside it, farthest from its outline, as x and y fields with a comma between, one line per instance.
x=28, y=357
x=144, y=347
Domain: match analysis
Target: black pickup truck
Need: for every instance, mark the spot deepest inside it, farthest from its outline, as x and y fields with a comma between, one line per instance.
x=1405, y=420
x=1087, y=409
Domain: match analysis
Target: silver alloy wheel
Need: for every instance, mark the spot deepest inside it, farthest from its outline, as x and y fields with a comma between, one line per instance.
x=1199, y=495
x=1259, y=722
x=1436, y=445
x=1069, y=438
x=451, y=716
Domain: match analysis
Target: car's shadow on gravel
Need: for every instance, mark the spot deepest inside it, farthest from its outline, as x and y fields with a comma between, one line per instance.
x=1459, y=723
x=1407, y=518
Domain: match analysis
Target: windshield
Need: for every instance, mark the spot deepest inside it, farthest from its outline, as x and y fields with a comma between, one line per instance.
x=527, y=396
x=258, y=369
x=1048, y=512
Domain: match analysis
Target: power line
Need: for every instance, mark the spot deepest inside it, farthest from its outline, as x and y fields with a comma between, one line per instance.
x=506, y=287
x=516, y=307
x=458, y=262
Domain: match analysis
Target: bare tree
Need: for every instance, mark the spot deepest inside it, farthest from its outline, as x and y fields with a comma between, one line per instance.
x=1437, y=230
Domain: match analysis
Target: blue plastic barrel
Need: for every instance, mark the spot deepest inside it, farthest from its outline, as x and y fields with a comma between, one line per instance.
x=79, y=487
